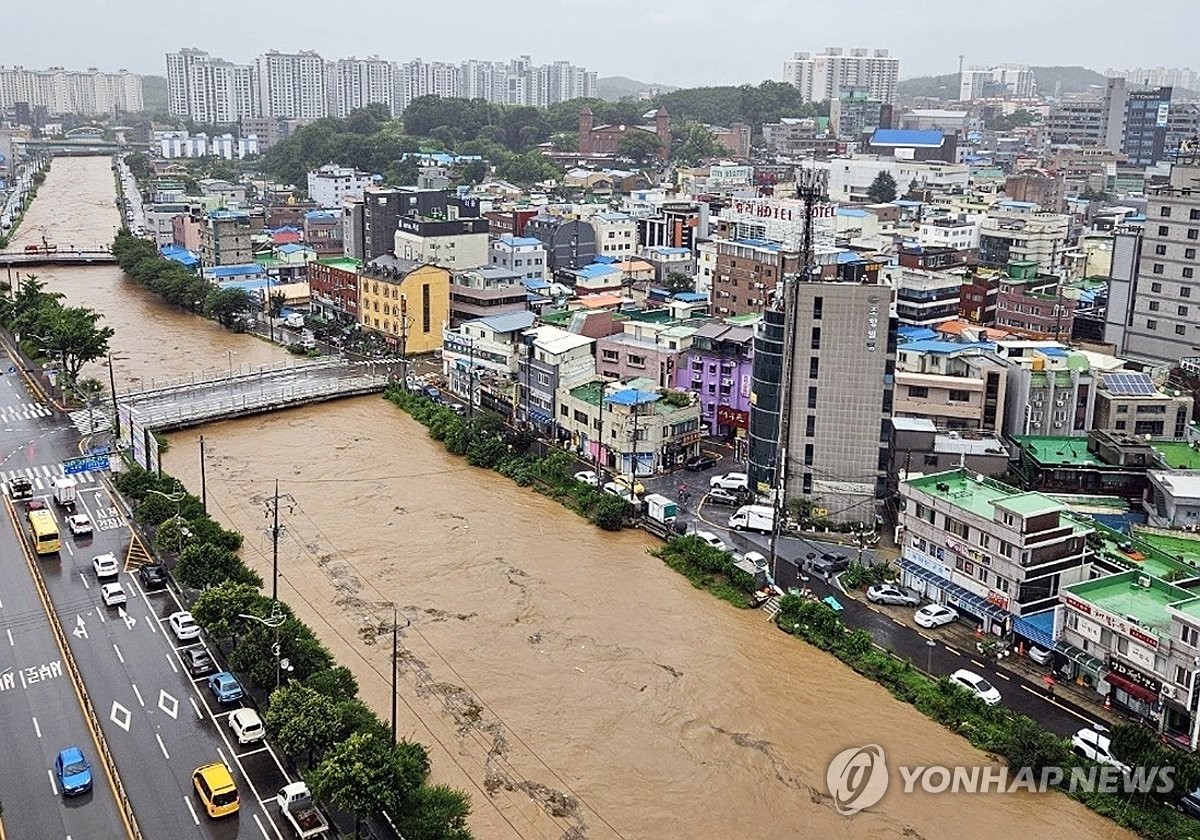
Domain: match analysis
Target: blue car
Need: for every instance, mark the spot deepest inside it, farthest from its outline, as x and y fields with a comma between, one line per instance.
x=225, y=687
x=73, y=772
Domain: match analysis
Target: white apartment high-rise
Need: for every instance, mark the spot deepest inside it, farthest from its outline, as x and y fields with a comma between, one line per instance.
x=356, y=83
x=210, y=90
x=418, y=78
x=822, y=77
x=1014, y=80
x=61, y=91
x=291, y=85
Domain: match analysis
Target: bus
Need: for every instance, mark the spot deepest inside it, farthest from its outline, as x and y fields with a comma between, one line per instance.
x=45, y=532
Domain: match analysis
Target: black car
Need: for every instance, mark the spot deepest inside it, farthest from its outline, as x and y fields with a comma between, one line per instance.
x=699, y=463
x=198, y=661
x=153, y=576
x=829, y=564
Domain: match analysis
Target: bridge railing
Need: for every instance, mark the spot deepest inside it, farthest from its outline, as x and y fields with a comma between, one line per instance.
x=202, y=380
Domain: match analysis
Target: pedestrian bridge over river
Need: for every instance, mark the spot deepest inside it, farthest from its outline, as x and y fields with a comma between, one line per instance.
x=210, y=397
x=81, y=255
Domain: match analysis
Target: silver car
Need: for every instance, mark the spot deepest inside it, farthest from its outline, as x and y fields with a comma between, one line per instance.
x=888, y=593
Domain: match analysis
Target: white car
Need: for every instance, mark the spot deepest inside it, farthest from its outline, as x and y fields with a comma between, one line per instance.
x=977, y=685
x=105, y=566
x=1094, y=744
x=588, y=477
x=711, y=539
x=618, y=490
x=80, y=525
x=1039, y=655
x=730, y=481
x=112, y=594
x=889, y=593
x=183, y=626
x=246, y=726
x=935, y=615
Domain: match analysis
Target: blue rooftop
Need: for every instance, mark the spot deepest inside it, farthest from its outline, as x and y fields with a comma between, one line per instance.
x=853, y=212
x=290, y=248
x=222, y=272
x=906, y=202
x=691, y=297
x=1055, y=352
x=180, y=255
x=1026, y=205
x=534, y=284
x=759, y=243
x=519, y=241
x=915, y=333
x=938, y=346
x=907, y=137
x=320, y=216
x=632, y=396
x=228, y=214
x=847, y=257
x=596, y=270
x=604, y=259
x=667, y=250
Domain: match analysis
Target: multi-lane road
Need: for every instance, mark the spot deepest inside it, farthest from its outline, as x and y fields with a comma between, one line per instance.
x=135, y=701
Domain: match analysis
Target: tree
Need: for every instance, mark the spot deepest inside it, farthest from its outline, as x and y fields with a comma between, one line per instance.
x=203, y=565
x=435, y=812
x=882, y=189
x=639, y=146
x=694, y=143
x=228, y=305
x=218, y=608
x=336, y=683
x=473, y=172
x=299, y=719
x=528, y=168
x=677, y=281
x=362, y=775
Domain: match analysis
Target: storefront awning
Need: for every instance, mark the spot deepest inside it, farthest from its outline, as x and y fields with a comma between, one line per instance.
x=1131, y=688
x=1037, y=628
x=1080, y=657
x=539, y=416
x=969, y=601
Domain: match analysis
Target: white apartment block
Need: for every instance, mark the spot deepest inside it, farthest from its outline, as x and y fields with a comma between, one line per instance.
x=616, y=235
x=330, y=184
x=1015, y=80
x=522, y=255
x=355, y=83
x=419, y=78
x=210, y=90
x=1018, y=231
x=822, y=77
x=291, y=85
x=59, y=91
x=960, y=232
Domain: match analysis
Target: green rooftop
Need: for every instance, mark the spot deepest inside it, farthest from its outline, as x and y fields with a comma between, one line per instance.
x=1139, y=554
x=1190, y=607
x=344, y=263
x=1186, y=547
x=1121, y=595
x=964, y=490
x=1066, y=451
x=1177, y=455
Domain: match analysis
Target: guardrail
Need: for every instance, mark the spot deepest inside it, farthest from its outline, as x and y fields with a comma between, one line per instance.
x=208, y=379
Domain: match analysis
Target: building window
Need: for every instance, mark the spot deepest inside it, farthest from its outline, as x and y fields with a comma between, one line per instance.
x=818, y=306
x=814, y=368
x=810, y=426
x=959, y=396
x=1156, y=287
x=1153, y=306
x=1189, y=253
x=1164, y=212
x=808, y=454
x=1180, y=329
x=1120, y=425
x=1163, y=230
x=917, y=392
x=959, y=529
x=1185, y=291
x=1187, y=272
x=1182, y=310
x=1151, y=324
x=426, y=303
x=812, y=397
x=1160, y=250
x=1189, y=635
x=815, y=343
x=1157, y=268
x=1193, y=233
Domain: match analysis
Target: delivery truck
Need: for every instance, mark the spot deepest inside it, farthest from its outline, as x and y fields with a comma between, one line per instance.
x=759, y=518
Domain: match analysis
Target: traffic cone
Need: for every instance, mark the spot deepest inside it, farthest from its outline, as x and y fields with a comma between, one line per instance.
x=1107, y=701
x=979, y=632
x=1020, y=649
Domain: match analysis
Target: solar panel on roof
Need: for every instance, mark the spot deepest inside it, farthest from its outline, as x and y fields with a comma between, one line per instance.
x=1129, y=384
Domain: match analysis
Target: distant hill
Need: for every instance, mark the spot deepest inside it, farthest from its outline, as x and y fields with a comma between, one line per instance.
x=921, y=87
x=616, y=88
x=1050, y=80
x=154, y=93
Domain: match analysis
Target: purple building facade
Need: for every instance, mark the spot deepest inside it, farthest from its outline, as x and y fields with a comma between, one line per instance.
x=717, y=369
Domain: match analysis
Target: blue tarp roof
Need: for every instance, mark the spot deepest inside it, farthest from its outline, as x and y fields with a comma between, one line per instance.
x=534, y=284
x=759, y=243
x=596, y=270
x=319, y=216
x=221, y=272
x=667, y=250
x=180, y=255
x=934, y=345
x=915, y=333
x=631, y=396
x=290, y=248
x=691, y=297
x=906, y=137
x=853, y=212
x=603, y=259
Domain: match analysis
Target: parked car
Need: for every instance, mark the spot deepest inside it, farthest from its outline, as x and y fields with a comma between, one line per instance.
x=1190, y=804
x=1039, y=655
x=634, y=486
x=247, y=726
x=80, y=525
x=153, y=576
x=619, y=490
x=731, y=481
x=198, y=661
x=105, y=566
x=935, y=615
x=701, y=462
x=1094, y=744
x=112, y=594
x=829, y=564
x=73, y=772
x=225, y=687
x=721, y=496
x=589, y=477
x=711, y=539
x=183, y=626
x=977, y=685
x=889, y=593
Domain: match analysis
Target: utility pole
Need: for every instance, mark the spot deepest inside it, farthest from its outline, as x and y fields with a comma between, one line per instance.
x=600, y=433
x=404, y=339
x=633, y=465
x=395, y=645
x=470, y=378
x=203, y=484
x=272, y=512
x=112, y=389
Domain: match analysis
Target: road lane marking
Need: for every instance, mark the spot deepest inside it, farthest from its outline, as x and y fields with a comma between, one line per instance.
x=80, y=630
x=1002, y=676
x=258, y=822
x=83, y=578
x=1068, y=710
x=120, y=655
x=141, y=702
x=11, y=643
x=171, y=661
x=187, y=800
x=150, y=622
x=162, y=746
x=100, y=615
x=952, y=650
x=53, y=785
x=252, y=752
x=37, y=728
x=977, y=663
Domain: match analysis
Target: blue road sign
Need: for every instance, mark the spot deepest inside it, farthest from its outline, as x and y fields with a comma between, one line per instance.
x=91, y=464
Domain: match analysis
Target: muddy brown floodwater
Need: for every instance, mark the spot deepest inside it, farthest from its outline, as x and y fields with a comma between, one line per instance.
x=572, y=684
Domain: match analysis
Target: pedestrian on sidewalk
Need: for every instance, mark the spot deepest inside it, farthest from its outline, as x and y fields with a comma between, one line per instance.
x=1049, y=680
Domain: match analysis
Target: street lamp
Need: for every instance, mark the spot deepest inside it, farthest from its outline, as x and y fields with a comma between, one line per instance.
x=112, y=388
x=930, y=644
x=176, y=499
x=274, y=621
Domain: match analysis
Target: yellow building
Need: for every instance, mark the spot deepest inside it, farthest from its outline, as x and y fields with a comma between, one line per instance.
x=406, y=302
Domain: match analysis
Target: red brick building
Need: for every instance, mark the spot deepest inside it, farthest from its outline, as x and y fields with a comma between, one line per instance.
x=508, y=222
x=333, y=285
x=605, y=139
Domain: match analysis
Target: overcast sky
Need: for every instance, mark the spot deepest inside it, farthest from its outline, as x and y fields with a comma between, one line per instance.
x=678, y=42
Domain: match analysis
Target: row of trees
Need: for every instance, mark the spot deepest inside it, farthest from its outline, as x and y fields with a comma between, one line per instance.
x=68, y=335
x=316, y=716
x=177, y=285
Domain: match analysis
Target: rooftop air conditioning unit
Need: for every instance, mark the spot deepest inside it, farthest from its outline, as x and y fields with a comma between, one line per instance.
x=1168, y=691
x=1143, y=581
x=1058, y=424
x=1132, y=619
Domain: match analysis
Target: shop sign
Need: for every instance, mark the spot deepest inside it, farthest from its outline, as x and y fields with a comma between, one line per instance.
x=1078, y=606
x=998, y=599
x=1135, y=676
x=872, y=324
x=730, y=416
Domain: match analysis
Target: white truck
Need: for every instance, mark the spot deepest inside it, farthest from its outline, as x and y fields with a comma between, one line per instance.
x=759, y=518
x=64, y=493
x=295, y=802
x=294, y=320
x=661, y=515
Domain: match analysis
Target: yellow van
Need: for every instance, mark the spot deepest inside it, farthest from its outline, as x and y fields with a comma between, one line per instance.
x=214, y=785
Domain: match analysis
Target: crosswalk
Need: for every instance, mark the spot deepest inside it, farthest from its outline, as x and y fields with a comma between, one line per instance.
x=90, y=422
x=42, y=477
x=23, y=411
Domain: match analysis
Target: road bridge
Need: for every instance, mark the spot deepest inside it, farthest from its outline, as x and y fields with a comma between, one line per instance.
x=84, y=255
x=211, y=397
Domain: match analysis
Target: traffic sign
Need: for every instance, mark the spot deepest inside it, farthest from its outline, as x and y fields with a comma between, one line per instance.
x=91, y=464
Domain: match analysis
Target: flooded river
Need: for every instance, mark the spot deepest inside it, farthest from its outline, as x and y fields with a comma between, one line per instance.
x=574, y=686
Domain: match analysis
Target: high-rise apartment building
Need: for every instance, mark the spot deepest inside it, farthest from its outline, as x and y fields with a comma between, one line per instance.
x=355, y=83
x=1015, y=80
x=210, y=90
x=291, y=85
x=418, y=78
x=1161, y=304
x=822, y=77
x=60, y=91
x=838, y=400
